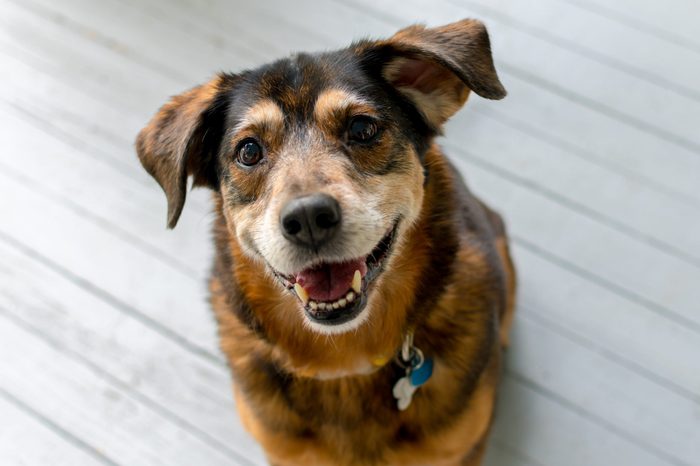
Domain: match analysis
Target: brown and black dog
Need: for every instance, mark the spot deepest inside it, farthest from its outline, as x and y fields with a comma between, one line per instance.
x=363, y=294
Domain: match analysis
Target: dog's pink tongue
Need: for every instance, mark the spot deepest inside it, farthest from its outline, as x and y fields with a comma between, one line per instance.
x=329, y=282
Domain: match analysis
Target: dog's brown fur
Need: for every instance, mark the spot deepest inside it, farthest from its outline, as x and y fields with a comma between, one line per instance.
x=450, y=278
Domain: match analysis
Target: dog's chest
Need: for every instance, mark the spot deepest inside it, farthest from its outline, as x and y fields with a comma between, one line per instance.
x=339, y=423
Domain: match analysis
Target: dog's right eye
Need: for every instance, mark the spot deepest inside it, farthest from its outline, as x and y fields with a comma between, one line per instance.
x=249, y=152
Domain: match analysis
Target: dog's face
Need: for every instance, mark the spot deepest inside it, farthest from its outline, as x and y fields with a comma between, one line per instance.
x=319, y=159
x=320, y=176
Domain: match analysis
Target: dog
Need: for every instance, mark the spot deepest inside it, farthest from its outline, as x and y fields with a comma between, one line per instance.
x=363, y=295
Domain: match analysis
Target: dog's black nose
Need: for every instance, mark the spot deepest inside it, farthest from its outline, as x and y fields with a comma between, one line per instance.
x=310, y=220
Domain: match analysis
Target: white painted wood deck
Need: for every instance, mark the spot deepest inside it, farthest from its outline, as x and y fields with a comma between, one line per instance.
x=594, y=159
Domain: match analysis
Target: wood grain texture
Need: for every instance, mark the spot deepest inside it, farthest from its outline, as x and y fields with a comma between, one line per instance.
x=27, y=438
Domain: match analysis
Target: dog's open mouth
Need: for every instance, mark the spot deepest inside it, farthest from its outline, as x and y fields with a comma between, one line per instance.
x=335, y=293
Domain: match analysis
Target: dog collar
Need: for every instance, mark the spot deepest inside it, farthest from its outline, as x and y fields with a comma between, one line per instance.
x=418, y=370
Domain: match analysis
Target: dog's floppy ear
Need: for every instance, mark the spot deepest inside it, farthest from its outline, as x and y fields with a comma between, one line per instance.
x=182, y=140
x=437, y=67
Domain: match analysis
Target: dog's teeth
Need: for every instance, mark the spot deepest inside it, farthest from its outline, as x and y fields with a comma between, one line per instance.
x=336, y=305
x=313, y=305
x=321, y=305
x=342, y=302
x=350, y=296
x=301, y=292
x=357, y=282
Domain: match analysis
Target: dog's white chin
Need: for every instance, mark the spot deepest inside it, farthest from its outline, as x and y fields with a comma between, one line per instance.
x=339, y=329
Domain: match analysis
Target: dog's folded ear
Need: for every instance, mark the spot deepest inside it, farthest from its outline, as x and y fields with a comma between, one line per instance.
x=437, y=67
x=182, y=139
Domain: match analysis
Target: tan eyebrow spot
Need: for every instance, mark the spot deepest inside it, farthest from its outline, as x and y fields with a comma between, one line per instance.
x=333, y=101
x=264, y=114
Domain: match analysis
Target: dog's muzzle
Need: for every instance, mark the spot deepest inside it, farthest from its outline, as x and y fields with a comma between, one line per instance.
x=331, y=293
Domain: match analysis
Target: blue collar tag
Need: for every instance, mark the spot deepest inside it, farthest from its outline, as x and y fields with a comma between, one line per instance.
x=417, y=370
x=421, y=373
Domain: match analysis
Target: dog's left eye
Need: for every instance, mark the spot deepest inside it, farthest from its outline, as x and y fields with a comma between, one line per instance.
x=362, y=129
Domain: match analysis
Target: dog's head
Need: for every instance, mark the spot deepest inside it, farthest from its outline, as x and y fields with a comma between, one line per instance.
x=320, y=159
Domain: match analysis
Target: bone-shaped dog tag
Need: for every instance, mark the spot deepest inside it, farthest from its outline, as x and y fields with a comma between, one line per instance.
x=417, y=369
x=403, y=392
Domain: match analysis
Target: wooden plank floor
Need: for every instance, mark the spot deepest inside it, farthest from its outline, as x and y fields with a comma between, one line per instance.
x=594, y=159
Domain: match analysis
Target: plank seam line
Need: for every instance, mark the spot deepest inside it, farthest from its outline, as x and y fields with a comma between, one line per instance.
x=109, y=227
x=54, y=427
x=608, y=285
x=586, y=52
x=83, y=149
x=639, y=25
x=601, y=108
x=588, y=157
x=572, y=96
x=599, y=349
x=115, y=302
x=219, y=42
x=126, y=389
x=62, y=135
x=558, y=399
x=502, y=444
x=96, y=37
x=579, y=208
x=38, y=62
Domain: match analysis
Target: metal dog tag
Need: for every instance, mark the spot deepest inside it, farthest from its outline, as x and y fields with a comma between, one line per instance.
x=418, y=371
